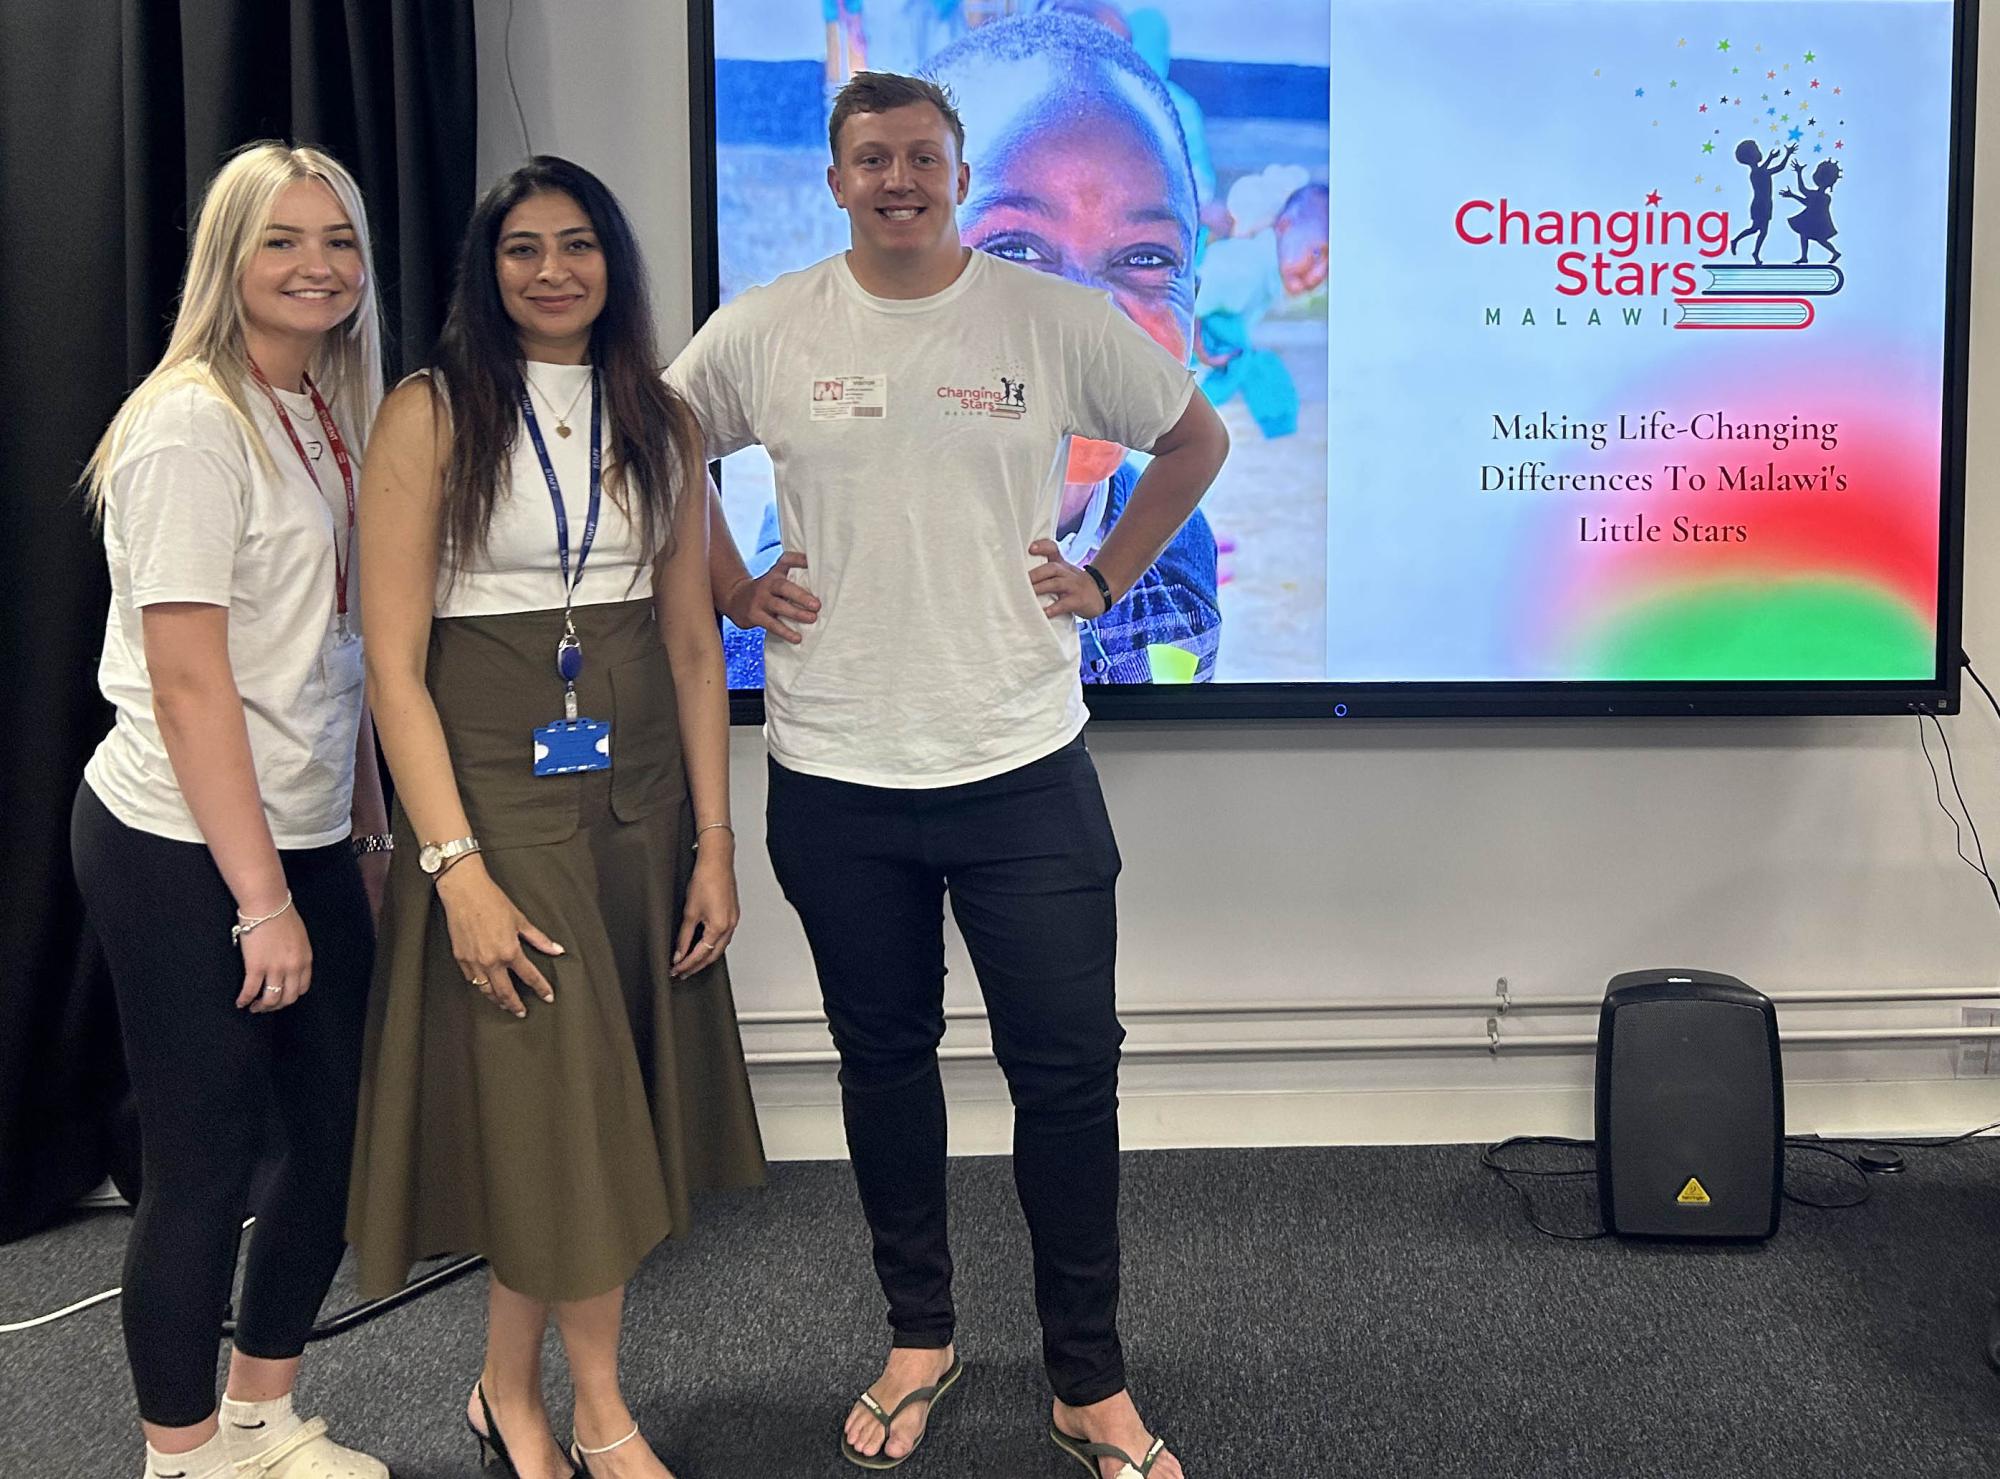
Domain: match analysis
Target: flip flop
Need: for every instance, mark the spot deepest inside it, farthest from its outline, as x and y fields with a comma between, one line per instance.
x=1088, y=1454
x=930, y=1394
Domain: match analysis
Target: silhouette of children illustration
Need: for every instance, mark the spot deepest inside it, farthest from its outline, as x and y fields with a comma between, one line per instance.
x=1815, y=222
x=1763, y=168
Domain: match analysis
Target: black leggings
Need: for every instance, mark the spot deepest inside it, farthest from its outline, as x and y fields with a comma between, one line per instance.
x=208, y=1077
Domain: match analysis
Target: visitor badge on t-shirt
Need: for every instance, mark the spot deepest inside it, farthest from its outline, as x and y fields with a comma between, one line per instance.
x=838, y=397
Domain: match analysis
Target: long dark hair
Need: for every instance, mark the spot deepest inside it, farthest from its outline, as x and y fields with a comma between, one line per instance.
x=655, y=446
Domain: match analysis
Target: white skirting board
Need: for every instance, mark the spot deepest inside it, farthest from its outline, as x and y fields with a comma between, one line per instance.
x=811, y=1131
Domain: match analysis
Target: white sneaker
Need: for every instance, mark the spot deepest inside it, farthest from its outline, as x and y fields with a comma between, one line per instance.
x=310, y=1454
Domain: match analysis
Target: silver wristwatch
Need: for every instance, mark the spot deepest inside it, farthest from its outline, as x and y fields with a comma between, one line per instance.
x=434, y=857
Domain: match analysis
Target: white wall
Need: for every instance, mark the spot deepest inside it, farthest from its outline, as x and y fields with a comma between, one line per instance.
x=1406, y=859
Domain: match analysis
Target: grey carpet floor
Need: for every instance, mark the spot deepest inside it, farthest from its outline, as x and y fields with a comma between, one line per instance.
x=1295, y=1313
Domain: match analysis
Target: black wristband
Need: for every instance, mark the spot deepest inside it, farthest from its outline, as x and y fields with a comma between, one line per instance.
x=1103, y=585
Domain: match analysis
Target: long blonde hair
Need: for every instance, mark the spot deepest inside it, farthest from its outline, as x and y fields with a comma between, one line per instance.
x=207, y=346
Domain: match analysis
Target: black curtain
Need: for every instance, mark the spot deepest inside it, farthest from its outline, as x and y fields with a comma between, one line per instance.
x=113, y=114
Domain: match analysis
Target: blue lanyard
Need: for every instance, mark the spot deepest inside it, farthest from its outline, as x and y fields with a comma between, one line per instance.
x=555, y=488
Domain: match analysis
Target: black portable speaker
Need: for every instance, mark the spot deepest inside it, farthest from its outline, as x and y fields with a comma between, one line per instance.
x=1690, y=1107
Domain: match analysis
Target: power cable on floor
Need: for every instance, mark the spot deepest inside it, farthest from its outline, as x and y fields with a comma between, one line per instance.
x=1878, y=1157
x=82, y=1304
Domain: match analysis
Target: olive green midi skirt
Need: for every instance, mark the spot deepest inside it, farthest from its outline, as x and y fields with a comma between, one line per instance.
x=565, y=1145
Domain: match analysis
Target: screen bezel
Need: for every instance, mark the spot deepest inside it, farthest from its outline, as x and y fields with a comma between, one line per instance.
x=1334, y=700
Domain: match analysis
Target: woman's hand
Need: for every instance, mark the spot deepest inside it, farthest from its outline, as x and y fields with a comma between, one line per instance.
x=486, y=935
x=277, y=964
x=772, y=600
x=711, y=905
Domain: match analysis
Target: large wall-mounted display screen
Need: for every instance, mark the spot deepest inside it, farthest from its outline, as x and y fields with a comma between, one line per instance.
x=1578, y=355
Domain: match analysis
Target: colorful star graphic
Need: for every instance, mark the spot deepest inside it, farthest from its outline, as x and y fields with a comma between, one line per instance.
x=1682, y=42
x=1770, y=74
x=1840, y=143
x=1722, y=45
x=1652, y=197
x=1819, y=148
x=1638, y=92
x=1815, y=82
x=1770, y=112
x=1795, y=135
x=1702, y=109
x=1836, y=92
x=1811, y=56
x=1697, y=179
x=1707, y=146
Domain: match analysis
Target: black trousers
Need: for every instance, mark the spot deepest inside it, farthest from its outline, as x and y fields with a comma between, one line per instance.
x=207, y=1078
x=1030, y=864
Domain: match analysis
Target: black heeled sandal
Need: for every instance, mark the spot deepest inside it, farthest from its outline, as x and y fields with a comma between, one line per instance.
x=491, y=1444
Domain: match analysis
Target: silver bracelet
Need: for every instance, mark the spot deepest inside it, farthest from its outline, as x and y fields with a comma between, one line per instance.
x=371, y=842
x=710, y=827
x=244, y=924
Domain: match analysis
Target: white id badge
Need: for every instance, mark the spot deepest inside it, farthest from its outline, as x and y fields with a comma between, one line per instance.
x=340, y=666
x=844, y=397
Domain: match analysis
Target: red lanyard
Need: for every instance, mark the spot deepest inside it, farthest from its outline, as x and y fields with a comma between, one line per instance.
x=340, y=458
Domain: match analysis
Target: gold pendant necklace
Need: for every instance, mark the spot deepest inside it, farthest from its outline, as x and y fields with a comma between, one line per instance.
x=562, y=417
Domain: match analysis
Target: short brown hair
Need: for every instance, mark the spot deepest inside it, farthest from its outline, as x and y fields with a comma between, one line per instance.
x=878, y=92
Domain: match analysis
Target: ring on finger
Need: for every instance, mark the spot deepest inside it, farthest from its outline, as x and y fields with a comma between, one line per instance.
x=481, y=982
x=273, y=990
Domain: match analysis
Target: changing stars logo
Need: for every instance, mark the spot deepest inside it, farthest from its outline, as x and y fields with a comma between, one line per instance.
x=1748, y=243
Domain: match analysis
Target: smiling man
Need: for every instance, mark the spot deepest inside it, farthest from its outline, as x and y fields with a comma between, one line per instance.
x=919, y=402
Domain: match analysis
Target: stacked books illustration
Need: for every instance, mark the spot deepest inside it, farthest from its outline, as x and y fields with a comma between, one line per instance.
x=1774, y=296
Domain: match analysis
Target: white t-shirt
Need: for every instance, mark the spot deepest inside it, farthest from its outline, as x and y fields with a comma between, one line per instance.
x=919, y=447
x=192, y=513
x=519, y=568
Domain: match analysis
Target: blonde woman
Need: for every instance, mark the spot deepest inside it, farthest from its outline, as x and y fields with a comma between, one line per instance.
x=217, y=831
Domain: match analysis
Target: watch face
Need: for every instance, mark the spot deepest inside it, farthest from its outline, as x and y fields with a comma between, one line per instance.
x=428, y=857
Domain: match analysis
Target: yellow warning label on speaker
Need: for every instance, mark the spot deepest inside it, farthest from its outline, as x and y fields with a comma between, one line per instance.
x=1694, y=1194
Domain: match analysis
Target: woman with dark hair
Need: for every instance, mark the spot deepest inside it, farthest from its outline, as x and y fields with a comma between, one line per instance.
x=553, y=1060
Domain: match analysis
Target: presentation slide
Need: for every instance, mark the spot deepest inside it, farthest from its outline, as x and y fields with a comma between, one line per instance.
x=1558, y=340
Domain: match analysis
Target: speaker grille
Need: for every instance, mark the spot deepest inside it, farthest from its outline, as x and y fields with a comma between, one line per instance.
x=1690, y=1112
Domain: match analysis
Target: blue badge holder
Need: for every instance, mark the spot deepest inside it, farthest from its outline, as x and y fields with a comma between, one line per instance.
x=572, y=745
